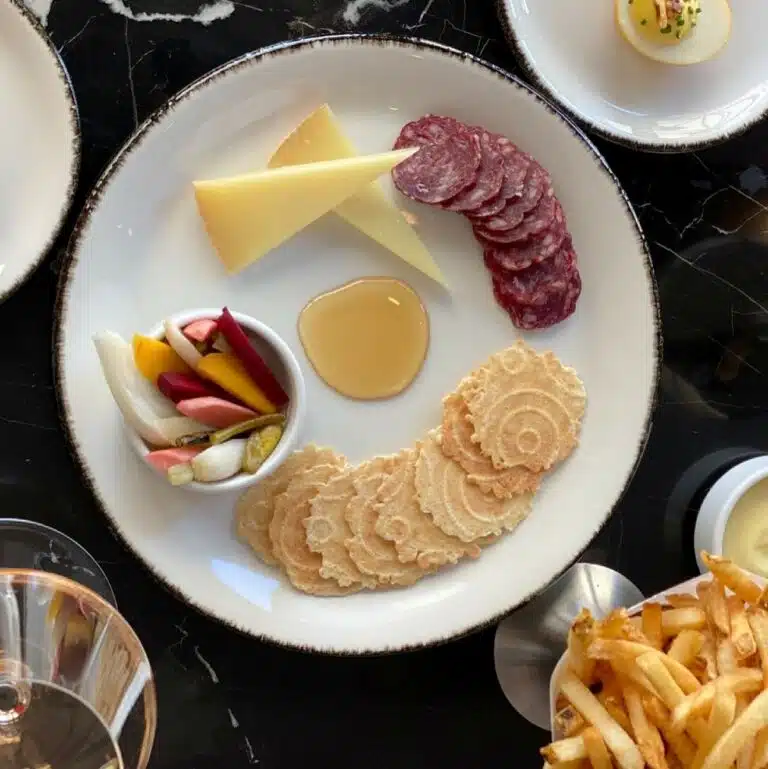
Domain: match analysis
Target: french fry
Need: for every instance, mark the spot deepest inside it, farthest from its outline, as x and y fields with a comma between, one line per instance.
x=679, y=742
x=720, y=718
x=618, y=625
x=717, y=608
x=743, y=681
x=627, y=650
x=579, y=639
x=707, y=657
x=651, y=624
x=744, y=729
x=731, y=576
x=646, y=734
x=742, y=638
x=758, y=621
x=629, y=669
x=627, y=754
x=569, y=722
x=681, y=600
x=597, y=753
x=564, y=751
x=611, y=698
x=726, y=657
x=760, y=755
x=674, y=621
x=686, y=647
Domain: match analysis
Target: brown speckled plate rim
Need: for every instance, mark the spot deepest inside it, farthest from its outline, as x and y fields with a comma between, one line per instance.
x=651, y=147
x=74, y=122
x=134, y=142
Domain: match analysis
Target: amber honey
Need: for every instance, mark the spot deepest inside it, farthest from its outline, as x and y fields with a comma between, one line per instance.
x=366, y=339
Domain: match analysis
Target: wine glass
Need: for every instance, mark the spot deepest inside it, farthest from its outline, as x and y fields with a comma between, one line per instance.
x=76, y=687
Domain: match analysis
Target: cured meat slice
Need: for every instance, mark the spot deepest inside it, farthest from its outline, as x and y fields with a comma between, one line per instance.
x=532, y=228
x=537, y=283
x=428, y=129
x=440, y=170
x=491, y=208
x=501, y=258
x=516, y=165
x=537, y=183
x=552, y=309
x=490, y=175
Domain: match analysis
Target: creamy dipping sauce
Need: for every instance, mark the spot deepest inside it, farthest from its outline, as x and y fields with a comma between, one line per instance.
x=366, y=339
x=746, y=533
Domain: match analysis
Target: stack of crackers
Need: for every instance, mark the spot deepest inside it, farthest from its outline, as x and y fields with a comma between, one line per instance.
x=336, y=529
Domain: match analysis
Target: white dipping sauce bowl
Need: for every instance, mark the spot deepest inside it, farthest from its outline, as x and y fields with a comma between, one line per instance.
x=281, y=362
x=718, y=504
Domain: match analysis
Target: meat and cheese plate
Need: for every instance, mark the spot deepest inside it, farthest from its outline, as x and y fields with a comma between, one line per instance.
x=428, y=363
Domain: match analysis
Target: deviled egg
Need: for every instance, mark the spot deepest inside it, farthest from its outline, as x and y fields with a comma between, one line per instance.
x=675, y=31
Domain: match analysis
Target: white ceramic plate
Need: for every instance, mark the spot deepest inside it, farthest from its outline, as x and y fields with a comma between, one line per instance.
x=140, y=253
x=39, y=144
x=578, y=58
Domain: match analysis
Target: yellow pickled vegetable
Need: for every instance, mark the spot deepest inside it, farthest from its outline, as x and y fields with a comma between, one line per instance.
x=227, y=372
x=153, y=357
x=260, y=445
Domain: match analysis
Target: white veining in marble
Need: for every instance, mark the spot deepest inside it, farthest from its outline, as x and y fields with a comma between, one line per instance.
x=355, y=8
x=41, y=9
x=208, y=13
x=213, y=11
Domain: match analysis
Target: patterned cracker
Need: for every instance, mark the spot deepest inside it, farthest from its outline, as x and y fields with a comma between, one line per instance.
x=288, y=535
x=457, y=506
x=253, y=511
x=372, y=554
x=327, y=531
x=521, y=413
x=401, y=521
x=457, y=443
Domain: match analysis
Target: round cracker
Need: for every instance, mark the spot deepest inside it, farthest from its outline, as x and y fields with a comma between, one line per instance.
x=414, y=534
x=373, y=554
x=288, y=535
x=457, y=443
x=457, y=506
x=253, y=511
x=328, y=530
x=521, y=413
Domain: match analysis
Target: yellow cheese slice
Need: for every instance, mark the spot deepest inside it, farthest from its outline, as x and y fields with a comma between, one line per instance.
x=320, y=137
x=247, y=216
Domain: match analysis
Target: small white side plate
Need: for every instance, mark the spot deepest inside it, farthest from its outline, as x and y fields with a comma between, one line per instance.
x=575, y=54
x=39, y=144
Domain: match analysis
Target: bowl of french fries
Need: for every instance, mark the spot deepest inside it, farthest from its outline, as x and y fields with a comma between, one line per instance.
x=679, y=681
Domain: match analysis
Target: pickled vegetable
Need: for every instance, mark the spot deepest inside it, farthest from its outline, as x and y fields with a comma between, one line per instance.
x=229, y=373
x=259, y=447
x=153, y=357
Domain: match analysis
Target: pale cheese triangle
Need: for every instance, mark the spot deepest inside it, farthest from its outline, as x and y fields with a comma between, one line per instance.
x=247, y=216
x=320, y=137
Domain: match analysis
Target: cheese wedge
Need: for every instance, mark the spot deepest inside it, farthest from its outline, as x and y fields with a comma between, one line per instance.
x=247, y=216
x=320, y=137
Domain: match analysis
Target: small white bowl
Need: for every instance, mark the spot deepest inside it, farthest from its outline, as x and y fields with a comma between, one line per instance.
x=283, y=364
x=716, y=508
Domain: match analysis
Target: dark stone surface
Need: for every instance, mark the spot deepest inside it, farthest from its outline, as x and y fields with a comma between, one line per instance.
x=227, y=701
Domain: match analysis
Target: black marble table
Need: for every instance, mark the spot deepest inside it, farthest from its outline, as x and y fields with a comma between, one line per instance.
x=228, y=701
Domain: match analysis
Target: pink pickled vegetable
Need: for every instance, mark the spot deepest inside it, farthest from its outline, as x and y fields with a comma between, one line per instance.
x=200, y=330
x=183, y=387
x=163, y=459
x=253, y=363
x=215, y=412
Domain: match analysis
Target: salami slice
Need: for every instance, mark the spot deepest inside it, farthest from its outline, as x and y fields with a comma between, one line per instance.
x=533, y=227
x=439, y=170
x=428, y=129
x=555, y=309
x=536, y=284
x=487, y=210
x=516, y=165
x=537, y=183
x=490, y=175
x=501, y=258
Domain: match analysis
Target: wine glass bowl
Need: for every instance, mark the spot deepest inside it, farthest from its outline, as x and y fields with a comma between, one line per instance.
x=76, y=687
